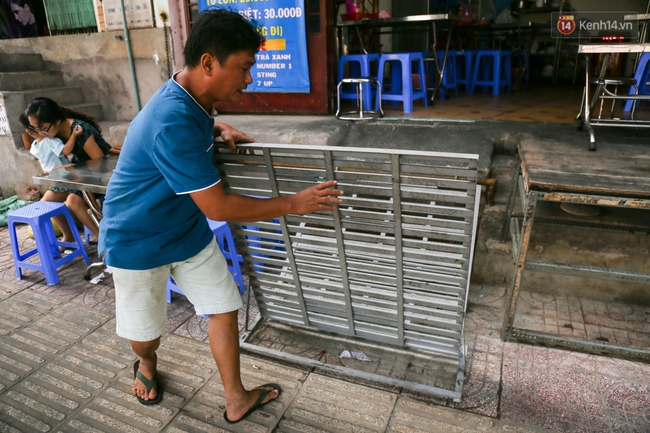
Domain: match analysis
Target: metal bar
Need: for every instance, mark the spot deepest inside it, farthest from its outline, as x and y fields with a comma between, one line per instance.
x=354, y=151
x=588, y=271
x=460, y=375
x=522, y=192
x=349, y=372
x=636, y=123
x=341, y=248
x=399, y=253
x=511, y=197
x=621, y=202
x=535, y=337
x=603, y=227
x=516, y=236
x=471, y=249
x=286, y=237
x=511, y=305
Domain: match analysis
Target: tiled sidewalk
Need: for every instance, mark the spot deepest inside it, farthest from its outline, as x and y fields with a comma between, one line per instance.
x=62, y=368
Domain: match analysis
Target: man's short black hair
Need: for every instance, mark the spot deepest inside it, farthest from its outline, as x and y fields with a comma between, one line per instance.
x=221, y=32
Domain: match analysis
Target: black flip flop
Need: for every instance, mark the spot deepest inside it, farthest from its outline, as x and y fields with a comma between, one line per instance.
x=148, y=383
x=258, y=403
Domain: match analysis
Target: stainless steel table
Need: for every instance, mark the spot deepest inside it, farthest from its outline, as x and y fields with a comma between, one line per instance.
x=88, y=177
x=553, y=172
x=427, y=23
x=601, y=92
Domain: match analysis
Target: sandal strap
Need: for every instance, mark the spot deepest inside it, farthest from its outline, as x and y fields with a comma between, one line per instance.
x=260, y=399
x=147, y=383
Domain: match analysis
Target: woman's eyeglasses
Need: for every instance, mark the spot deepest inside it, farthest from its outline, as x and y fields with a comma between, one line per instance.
x=39, y=131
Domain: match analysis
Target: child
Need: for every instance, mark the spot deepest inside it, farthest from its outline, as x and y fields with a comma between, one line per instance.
x=48, y=150
x=52, y=153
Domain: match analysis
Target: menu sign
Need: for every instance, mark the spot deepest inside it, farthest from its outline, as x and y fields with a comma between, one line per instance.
x=281, y=65
x=4, y=120
x=138, y=14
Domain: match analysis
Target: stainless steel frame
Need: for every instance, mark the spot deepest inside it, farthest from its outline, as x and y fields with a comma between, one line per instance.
x=601, y=92
x=520, y=231
x=391, y=264
x=363, y=113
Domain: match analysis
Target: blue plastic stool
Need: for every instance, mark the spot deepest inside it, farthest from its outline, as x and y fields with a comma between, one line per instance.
x=172, y=287
x=464, y=62
x=38, y=216
x=87, y=234
x=401, y=88
x=260, y=243
x=227, y=246
x=359, y=65
x=491, y=69
x=641, y=75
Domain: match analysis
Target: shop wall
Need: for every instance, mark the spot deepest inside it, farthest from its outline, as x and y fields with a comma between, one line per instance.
x=98, y=63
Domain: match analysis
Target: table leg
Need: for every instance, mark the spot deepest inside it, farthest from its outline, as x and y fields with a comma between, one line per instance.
x=589, y=106
x=525, y=58
x=530, y=202
x=440, y=67
x=339, y=38
x=363, y=48
x=511, y=197
x=96, y=214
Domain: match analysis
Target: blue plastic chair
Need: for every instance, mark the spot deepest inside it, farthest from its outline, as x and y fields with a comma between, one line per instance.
x=642, y=76
x=492, y=69
x=38, y=216
x=359, y=65
x=401, y=83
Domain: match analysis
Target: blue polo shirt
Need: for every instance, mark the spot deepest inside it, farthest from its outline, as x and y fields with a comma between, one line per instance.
x=149, y=217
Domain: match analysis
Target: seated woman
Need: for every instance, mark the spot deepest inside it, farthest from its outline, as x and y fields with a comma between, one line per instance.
x=84, y=141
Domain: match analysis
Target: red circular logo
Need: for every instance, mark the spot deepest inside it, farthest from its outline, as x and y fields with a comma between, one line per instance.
x=566, y=24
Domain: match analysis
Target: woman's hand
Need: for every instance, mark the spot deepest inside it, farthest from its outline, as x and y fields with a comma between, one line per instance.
x=77, y=130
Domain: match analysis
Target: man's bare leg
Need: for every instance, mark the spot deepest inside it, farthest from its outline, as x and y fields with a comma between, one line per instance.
x=223, y=335
x=146, y=350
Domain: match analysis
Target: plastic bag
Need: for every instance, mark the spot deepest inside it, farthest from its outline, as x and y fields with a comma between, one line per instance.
x=9, y=204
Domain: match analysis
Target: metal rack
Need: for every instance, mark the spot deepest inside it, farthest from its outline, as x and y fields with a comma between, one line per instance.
x=391, y=264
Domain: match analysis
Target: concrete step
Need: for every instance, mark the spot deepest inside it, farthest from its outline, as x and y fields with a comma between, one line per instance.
x=91, y=109
x=21, y=62
x=64, y=96
x=502, y=165
x=28, y=80
x=114, y=132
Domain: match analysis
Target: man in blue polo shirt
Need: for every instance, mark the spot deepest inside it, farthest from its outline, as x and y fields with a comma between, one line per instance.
x=162, y=189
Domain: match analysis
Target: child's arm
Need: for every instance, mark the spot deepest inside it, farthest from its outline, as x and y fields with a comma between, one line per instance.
x=67, y=149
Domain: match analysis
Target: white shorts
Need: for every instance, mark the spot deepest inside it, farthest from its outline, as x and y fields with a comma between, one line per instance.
x=141, y=301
